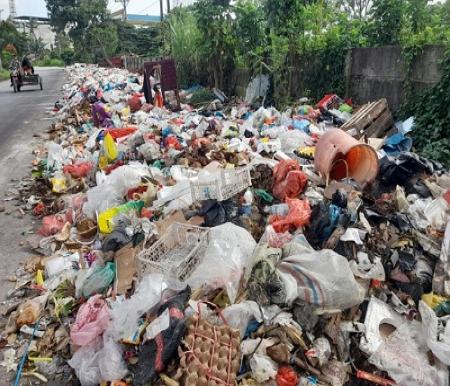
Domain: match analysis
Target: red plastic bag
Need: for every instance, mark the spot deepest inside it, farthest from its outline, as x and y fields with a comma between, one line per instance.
x=122, y=132
x=298, y=216
x=288, y=180
x=286, y=376
x=135, y=103
x=92, y=319
x=79, y=170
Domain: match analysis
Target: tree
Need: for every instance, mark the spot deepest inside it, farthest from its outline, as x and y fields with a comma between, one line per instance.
x=10, y=37
x=386, y=21
x=214, y=20
x=145, y=41
x=91, y=29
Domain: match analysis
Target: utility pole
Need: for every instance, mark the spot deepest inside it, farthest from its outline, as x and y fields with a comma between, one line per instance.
x=168, y=6
x=161, y=8
x=1, y=10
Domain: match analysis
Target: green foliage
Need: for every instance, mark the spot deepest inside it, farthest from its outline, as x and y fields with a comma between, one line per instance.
x=432, y=117
x=10, y=35
x=214, y=20
x=47, y=61
x=202, y=95
x=145, y=41
x=90, y=27
x=185, y=46
x=4, y=74
x=386, y=22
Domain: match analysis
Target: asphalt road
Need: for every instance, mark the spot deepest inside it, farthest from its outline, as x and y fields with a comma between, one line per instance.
x=23, y=118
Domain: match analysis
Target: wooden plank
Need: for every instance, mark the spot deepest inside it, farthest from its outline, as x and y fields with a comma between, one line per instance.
x=366, y=117
x=380, y=126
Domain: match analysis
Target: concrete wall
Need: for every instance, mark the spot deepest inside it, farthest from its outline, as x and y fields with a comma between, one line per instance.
x=370, y=73
x=374, y=73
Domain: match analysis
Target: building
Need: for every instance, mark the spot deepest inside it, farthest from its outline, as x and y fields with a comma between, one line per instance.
x=137, y=20
x=39, y=27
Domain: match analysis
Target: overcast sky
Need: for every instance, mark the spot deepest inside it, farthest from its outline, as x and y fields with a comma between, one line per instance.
x=37, y=7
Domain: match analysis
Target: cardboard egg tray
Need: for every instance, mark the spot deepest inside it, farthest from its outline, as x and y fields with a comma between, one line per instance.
x=212, y=357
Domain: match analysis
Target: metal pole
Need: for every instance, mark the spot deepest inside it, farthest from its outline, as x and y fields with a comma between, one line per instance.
x=124, y=10
x=161, y=9
x=168, y=6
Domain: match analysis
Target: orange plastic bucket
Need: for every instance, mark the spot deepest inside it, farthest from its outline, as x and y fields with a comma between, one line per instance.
x=338, y=155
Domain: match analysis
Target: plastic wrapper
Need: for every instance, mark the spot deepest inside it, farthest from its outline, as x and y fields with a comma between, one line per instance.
x=298, y=216
x=321, y=350
x=289, y=180
x=92, y=320
x=99, y=281
x=227, y=255
x=406, y=361
x=324, y=279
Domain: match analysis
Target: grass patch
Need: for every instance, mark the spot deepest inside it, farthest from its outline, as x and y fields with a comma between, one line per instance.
x=4, y=74
x=48, y=62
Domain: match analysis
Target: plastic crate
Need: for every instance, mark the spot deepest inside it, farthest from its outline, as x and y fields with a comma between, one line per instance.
x=228, y=183
x=176, y=254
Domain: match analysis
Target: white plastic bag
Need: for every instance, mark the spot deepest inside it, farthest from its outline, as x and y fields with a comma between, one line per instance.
x=112, y=366
x=406, y=361
x=85, y=362
x=238, y=316
x=437, y=338
x=324, y=279
x=228, y=253
x=114, y=187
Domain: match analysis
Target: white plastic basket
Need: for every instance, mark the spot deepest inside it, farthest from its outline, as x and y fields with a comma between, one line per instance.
x=176, y=254
x=229, y=183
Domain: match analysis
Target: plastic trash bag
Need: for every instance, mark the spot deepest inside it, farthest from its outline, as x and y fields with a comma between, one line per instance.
x=92, y=319
x=238, y=316
x=105, y=219
x=437, y=337
x=112, y=366
x=99, y=281
x=225, y=258
x=298, y=216
x=78, y=170
x=324, y=279
x=110, y=147
x=263, y=368
x=85, y=363
x=406, y=361
x=53, y=224
x=289, y=180
x=155, y=354
x=110, y=192
x=149, y=293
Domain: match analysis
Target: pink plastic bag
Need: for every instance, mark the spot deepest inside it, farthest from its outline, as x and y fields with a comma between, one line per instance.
x=52, y=224
x=277, y=240
x=298, y=216
x=92, y=320
x=289, y=180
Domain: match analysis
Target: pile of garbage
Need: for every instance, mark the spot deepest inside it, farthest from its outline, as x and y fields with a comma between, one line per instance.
x=225, y=247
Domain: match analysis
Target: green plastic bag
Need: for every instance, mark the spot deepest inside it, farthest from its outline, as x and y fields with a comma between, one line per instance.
x=99, y=281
